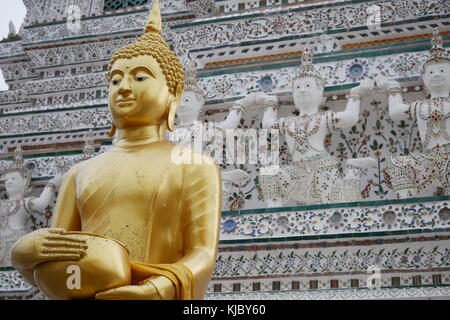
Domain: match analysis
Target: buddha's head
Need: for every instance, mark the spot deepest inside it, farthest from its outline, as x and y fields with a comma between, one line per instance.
x=17, y=177
x=193, y=97
x=436, y=70
x=146, y=80
x=308, y=85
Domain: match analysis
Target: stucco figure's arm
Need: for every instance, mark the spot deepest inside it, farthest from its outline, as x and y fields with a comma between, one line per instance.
x=398, y=110
x=350, y=116
x=44, y=200
x=270, y=117
x=233, y=118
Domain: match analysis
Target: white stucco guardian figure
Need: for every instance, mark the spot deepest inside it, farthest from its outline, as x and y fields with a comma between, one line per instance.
x=411, y=174
x=314, y=175
x=208, y=136
x=15, y=211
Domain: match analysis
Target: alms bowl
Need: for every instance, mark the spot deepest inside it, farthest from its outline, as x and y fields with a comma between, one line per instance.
x=104, y=266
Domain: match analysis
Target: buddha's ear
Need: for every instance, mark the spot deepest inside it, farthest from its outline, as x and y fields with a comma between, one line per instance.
x=112, y=131
x=174, y=106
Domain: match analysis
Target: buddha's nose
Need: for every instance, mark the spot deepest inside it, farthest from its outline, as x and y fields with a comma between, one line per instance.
x=124, y=88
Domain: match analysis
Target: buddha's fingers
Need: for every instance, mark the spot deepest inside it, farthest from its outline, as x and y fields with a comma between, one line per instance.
x=62, y=237
x=55, y=230
x=64, y=243
x=61, y=256
x=63, y=250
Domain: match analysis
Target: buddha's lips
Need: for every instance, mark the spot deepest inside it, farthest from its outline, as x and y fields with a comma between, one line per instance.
x=125, y=103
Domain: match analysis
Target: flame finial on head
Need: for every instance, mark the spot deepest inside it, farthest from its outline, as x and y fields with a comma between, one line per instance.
x=154, y=22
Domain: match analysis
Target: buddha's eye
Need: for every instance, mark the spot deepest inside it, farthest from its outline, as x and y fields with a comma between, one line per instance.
x=442, y=70
x=141, y=78
x=307, y=85
x=115, y=82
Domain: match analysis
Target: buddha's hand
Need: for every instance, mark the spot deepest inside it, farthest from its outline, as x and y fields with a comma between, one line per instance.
x=44, y=245
x=384, y=83
x=145, y=291
x=365, y=88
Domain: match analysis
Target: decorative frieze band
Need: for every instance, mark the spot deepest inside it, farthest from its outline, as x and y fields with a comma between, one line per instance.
x=55, y=121
x=351, y=294
x=359, y=217
x=39, y=11
x=334, y=257
x=13, y=97
x=292, y=22
x=228, y=85
x=71, y=82
x=9, y=49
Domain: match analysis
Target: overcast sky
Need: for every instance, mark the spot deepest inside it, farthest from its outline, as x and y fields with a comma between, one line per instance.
x=10, y=10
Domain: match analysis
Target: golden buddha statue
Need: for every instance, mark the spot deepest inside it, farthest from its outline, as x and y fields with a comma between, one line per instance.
x=166, y=214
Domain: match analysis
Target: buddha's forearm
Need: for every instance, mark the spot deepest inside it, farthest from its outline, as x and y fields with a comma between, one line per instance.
x=201, y=264
x=164, y=286
x=24, y=254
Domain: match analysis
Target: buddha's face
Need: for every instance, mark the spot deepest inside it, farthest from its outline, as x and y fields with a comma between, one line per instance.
x=437, y=77
x=306, y=92
x=138, y=93
x=190, y=105
x=15, y=184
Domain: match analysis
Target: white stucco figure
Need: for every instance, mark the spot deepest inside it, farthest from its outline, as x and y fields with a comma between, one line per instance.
x=205, y=136
x=314, y=175
x=15, y=211
x=409, y=175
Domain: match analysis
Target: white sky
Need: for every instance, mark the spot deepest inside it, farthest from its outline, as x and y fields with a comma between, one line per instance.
x=10, y=10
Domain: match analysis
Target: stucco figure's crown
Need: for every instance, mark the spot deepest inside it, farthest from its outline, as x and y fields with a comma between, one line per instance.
x=190, y=78
x=437, y=51
x=307, y=69
x=17, y=164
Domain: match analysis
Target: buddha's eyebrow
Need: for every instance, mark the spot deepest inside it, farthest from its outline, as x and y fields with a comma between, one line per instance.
x=143, y=68
x=116, y=71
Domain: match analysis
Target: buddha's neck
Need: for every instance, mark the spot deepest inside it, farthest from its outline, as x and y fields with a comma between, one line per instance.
x=141, y=135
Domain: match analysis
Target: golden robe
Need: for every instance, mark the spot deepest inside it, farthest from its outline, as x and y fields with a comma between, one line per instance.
x=164, y=213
